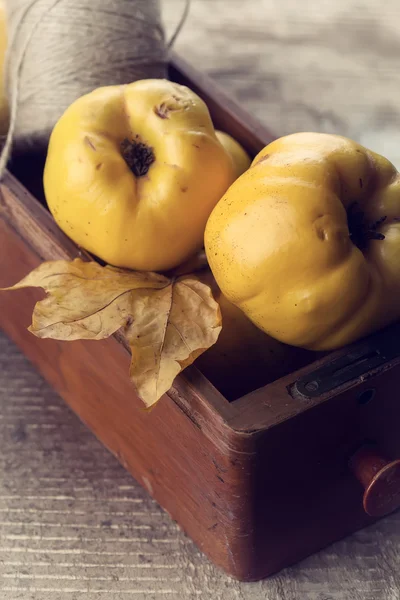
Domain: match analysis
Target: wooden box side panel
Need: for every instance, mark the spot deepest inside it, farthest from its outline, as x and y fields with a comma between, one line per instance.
x=203, y=484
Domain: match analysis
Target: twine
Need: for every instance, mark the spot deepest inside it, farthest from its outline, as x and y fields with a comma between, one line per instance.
x=60, y=50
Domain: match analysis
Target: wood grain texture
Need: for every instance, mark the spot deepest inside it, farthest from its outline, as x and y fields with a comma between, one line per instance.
x=310, y=80
x=73, y=521
x=315, y=66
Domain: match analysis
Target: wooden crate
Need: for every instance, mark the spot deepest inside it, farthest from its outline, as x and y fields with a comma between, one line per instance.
x=258, y=482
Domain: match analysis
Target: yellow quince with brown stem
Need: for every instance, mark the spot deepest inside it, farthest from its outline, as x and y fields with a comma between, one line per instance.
x=134, y=171
x=307, y=241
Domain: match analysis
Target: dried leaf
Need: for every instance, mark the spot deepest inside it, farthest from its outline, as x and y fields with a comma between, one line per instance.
x=167, y=323
x=85, y=300
x=171, y=328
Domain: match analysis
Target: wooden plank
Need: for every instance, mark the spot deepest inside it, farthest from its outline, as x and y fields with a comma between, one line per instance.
x=328, y=67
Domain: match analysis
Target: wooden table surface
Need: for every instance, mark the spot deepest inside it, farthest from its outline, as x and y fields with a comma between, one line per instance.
x=72, y=521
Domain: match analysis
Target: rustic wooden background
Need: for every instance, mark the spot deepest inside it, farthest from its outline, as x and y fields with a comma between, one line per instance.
x=72, y=522
x=317, y=65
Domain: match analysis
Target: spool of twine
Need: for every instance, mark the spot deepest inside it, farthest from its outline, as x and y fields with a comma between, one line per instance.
x=61, y=49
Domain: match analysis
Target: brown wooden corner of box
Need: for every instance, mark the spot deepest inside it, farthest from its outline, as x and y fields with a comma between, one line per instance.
x=206, y=473
x=209, y=464
x=226, y=113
